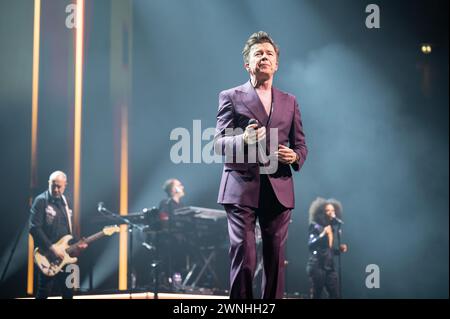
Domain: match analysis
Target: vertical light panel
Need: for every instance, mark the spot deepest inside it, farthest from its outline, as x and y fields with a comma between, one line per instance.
x=121, y=24
x=123, y=255
x=34, y=130
x=79, y=47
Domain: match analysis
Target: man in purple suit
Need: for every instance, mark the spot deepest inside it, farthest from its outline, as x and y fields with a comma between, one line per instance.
x=247, y=191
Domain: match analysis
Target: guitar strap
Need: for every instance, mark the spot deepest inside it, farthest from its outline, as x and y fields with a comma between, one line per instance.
x=68, y=213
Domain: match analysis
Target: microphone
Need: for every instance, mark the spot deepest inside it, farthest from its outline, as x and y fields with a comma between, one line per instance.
x=145, y=210
x=148, y=246
x=337, y=220
x=253, y=121
x=100, y=207
x=262, y=155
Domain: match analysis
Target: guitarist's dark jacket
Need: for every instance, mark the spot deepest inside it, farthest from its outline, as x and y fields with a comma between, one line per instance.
x=49, y=220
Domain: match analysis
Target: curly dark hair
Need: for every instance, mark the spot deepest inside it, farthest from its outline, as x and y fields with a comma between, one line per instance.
x=317, y=210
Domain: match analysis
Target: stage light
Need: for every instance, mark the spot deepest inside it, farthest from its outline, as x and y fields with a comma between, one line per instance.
x=34, y=130
x=426, y=48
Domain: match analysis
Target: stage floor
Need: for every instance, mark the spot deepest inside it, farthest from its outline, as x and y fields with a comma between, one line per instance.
x=150, y=295
x=145, y=295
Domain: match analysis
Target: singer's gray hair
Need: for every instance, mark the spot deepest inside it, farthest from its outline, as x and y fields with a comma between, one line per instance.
x=317, y=210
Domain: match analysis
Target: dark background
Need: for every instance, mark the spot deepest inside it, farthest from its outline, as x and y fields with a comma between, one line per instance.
x=374, y=107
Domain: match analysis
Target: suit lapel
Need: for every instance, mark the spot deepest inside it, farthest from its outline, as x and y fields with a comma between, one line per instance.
x=278, y=104
x=67, y=214
x=251, y=100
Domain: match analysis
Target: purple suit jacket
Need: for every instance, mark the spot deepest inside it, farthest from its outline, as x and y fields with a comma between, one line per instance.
x=240, y=181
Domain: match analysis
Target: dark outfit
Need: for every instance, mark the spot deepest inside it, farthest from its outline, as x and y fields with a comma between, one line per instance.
x=320, y=268
x=168, y=239
x=246, y=194
x=166, y=212
x=49, y=221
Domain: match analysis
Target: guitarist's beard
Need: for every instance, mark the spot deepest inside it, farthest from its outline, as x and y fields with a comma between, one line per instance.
x=56, y=195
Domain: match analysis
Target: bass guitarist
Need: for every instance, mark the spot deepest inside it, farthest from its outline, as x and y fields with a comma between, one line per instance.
x=51, y=219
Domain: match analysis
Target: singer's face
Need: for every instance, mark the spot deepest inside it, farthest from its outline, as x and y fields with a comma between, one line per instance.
x=329, y=211
x=262, y=61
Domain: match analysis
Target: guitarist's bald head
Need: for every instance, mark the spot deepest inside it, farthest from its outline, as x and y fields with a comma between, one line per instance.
x=57, y=174
x=57, y=183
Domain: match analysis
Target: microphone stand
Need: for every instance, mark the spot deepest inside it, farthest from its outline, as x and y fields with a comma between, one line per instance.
x=339, y=232
x=131, y=227
x=336, y=221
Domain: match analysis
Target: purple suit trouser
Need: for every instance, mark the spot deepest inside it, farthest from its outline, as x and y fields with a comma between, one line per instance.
x=274, y=220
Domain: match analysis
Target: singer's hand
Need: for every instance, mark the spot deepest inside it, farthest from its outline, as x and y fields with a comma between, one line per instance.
x=343, y=248
x=253, y=134
x=286, y=155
